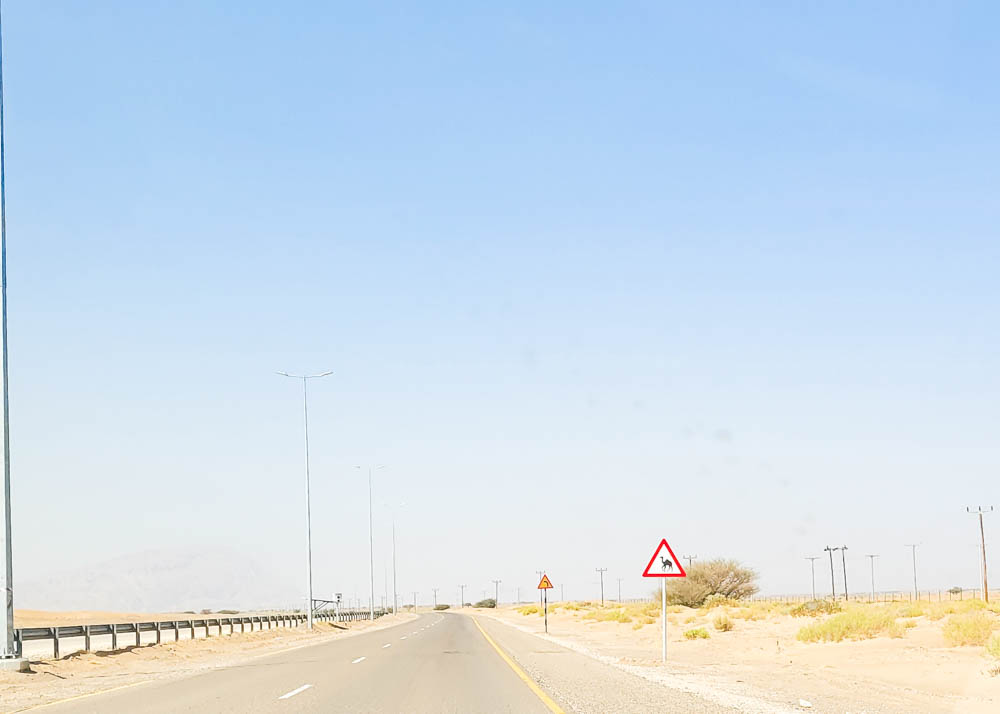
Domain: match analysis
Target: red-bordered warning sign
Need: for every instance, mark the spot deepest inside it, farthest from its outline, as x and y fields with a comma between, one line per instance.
x=664, y=564
x=545, y=583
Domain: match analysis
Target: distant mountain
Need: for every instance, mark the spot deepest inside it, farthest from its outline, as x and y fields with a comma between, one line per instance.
x=165, y=581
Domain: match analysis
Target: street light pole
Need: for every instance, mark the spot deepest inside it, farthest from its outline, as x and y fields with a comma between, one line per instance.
x=305, y=421
x=812, y=563
x=395, y=600
x=8, y=648
x=913, y=548
x=871, y=559
x=602, y=571
x=371, y=544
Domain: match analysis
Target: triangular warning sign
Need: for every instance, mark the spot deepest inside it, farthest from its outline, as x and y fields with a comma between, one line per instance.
x=664, y=564
x=545, y=583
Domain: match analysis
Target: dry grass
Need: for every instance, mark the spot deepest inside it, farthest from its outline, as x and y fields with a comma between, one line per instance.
x=970, y=628
x=528, y=609
x=855, y=623
x=722, y=623
x=993, y=646
x=699, y=633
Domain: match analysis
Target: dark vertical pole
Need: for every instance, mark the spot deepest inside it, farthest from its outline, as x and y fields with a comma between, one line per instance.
x=546, y=597
x=843, y=561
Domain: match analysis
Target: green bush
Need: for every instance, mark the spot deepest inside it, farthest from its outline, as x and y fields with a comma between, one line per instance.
x=441, y=606
x=699, y=633
x=488, y=602
x=993, y=647
x=727, y=580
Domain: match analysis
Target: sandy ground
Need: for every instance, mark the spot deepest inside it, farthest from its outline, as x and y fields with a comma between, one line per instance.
x=84, y=673
x=763, y=660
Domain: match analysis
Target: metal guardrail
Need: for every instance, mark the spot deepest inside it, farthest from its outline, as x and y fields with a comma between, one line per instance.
x=262, y=622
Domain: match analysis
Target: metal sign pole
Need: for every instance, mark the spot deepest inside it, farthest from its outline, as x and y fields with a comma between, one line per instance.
x=546, y=596
x=663, y=615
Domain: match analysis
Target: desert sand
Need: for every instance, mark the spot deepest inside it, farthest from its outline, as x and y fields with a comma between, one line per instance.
x=762, y=658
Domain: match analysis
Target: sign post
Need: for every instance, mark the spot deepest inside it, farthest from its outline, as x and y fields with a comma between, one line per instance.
x=545, y=585
x=669, y=566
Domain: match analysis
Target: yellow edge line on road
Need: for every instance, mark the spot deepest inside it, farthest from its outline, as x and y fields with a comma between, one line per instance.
x=546, y=699
x=81, y=696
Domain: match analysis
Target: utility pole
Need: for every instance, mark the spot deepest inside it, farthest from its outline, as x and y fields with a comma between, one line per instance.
x=843, y=561
x=496, y=594
x=812, y=564
x=602, y=571
x=982, y=539
x=10, y=658
x=619, y=591
x=435, y=591
x=913, y=549
x=833, y=582
x=461, y=597
x=414, y=603
x=689, y=558
x=871, y=559
x=305, y=414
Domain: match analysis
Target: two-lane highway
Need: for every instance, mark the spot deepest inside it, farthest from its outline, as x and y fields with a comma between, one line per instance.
x=437, y=663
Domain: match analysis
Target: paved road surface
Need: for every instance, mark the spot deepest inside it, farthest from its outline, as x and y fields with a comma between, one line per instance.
x=446, y=663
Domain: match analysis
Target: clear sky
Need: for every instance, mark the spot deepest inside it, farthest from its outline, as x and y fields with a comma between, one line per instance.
x=587, y=275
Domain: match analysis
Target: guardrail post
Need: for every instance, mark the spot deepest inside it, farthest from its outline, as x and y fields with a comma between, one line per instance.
x=114, y=637
x=191, y=622
x=157, y=633
x=138, y=639
x=208, y=632
x=177, y=631
x=86, y=638
x=55, y=643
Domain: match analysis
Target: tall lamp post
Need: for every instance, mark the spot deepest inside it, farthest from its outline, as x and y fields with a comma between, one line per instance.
x=9, y=656
x=309, y=543
x=371, y=543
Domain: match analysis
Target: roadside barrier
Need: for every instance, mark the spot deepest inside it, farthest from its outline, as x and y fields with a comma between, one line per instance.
x=168, y=628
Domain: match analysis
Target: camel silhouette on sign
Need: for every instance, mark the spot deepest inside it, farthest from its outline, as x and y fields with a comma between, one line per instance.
x=668, y=564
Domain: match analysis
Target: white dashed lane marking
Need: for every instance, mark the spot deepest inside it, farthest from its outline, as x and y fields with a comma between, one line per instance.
x=359, y=659
x=292, y=693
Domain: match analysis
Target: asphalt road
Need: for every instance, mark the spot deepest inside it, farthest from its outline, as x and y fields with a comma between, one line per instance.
x=436, y=663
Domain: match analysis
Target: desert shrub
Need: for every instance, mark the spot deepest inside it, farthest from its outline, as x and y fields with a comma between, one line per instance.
x=229, y=612
x=689, y=619
x=815, y=608
x=955, y=590
x=441, y=606
x=528, y=609
x=853, y=624
x=725, y=578
x=971, y=628
x=572, y=606
x=993, y=646
x=488, y=602
x=722, y=623
x=614, y=614
x=699, y=633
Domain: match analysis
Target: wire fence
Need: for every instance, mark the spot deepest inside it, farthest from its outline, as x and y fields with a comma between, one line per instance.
x=89, y=638
x=887, y=596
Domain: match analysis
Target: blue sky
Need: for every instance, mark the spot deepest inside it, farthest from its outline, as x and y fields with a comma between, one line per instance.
x=588, y=275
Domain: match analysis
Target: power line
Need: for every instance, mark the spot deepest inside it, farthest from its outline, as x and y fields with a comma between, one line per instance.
x=833, y=582
x=602, y=571
x=982, y=539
